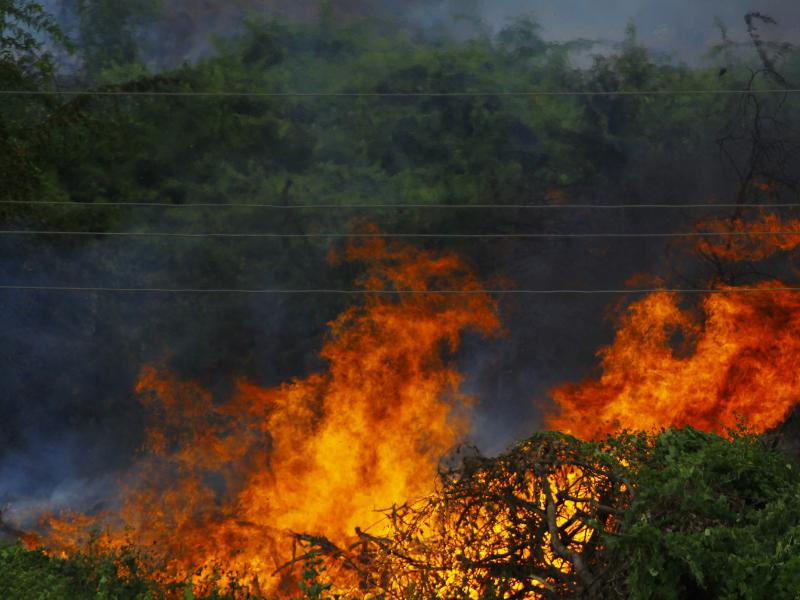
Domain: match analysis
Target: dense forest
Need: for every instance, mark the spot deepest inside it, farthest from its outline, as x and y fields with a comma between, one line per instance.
x=297, y=129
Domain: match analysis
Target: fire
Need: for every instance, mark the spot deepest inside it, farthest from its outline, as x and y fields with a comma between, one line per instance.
x=773, y=235
x=219, y=485
x=525, y=524
x=731, y=360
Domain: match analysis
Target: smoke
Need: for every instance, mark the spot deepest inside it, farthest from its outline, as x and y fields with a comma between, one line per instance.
x=72, y=420
x=185, y=30
x=70, y=417
x=684, y=29
x=48, y=477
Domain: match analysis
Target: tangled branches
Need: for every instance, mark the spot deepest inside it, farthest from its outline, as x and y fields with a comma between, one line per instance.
x=531, y=523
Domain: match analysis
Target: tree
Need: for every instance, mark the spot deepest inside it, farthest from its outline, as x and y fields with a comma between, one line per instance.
x=28, y=38
x=27, y=35
x=109, y=31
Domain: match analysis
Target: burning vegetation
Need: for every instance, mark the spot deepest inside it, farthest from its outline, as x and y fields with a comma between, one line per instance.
x=219, y=484
x=732, y=359
x=334, y=482
x=656, y=481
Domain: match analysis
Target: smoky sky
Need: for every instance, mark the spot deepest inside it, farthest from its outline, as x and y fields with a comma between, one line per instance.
x=684, y=29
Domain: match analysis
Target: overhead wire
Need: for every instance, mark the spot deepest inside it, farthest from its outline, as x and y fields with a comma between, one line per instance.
x=365, y=94
x=333, y=291
x=329, y=206
x=351, y=206
x=547, y=235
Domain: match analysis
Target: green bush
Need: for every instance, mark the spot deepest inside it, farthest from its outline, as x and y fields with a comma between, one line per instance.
x=712, y=518
x=34, y=575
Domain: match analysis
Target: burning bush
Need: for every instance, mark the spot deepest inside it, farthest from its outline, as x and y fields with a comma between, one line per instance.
x=226, y=491
x=682, y=514
x=529, y=523
x=219, y=483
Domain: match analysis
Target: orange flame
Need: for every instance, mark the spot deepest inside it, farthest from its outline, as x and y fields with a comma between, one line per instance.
x=220, y=484
x=753, y=240
x=732, y=360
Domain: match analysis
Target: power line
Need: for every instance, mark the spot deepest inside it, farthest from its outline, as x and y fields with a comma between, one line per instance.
x=324, y=291
x=166, y=234
x=398, y=206
x=530, y=93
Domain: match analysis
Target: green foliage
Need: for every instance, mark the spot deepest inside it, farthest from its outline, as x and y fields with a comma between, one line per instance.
x=28, y=37
x=24, y=59
x=108, y=35
x=712, y=518
x=459, y=149
x=311, y=584
x=33, y=575
x=94, y=575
